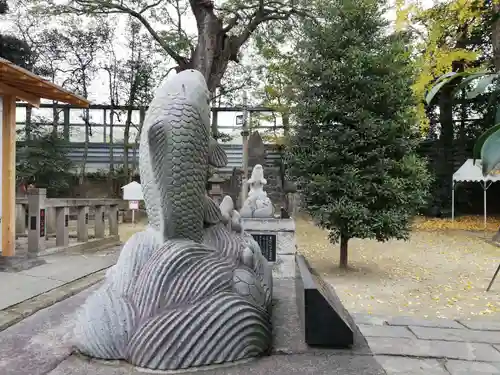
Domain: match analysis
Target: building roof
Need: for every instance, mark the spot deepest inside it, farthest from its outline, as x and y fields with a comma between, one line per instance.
x=29, y=87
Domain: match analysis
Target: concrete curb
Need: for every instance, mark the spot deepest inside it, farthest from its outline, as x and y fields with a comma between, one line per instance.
x=14, y=314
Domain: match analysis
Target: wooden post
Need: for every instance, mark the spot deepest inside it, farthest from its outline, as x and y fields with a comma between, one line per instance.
x=8, y=176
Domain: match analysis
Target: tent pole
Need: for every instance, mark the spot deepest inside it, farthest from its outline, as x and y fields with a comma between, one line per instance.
x=452, y=200
x=484, y=187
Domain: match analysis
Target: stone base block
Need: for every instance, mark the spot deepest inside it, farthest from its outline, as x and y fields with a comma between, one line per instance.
x=325, y=321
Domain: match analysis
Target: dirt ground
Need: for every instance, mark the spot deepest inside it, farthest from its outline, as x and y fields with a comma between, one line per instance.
x=440, y=272
x=436, y=274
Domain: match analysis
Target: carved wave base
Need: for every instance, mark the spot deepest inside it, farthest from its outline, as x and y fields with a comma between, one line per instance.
x=181, y=304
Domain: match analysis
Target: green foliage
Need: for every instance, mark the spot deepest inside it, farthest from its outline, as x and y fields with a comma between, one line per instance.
x=42, y=160
x=490, y=152
x=478, y=146
x=452, y=36
x=487, y=146
x=353, y=151
x=12, y=48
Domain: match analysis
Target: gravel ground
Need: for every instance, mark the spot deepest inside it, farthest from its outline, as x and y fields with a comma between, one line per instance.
x=434, y=274
x=441, y=273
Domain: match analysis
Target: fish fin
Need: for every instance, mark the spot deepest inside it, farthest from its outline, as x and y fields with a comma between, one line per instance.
x=211, y=214
x=216, y=156
x=157, y=138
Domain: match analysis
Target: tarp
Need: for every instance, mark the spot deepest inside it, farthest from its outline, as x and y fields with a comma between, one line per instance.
x=473, y=172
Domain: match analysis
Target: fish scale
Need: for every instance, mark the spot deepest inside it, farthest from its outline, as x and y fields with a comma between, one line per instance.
x=175, y=153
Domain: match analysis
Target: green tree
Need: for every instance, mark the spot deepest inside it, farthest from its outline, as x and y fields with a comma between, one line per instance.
x=42, y=159
x=353, y=150
x=12, y=48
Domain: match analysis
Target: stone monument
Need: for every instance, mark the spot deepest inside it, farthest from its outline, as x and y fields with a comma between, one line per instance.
x=193, y=289
x=257, y=204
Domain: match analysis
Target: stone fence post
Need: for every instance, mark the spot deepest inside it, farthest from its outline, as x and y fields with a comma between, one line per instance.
x=99, y=216
x=20, y=219
x=37, y=220
x=62, y=226
x=113, y=220
x=82, y=226
x=51, y=221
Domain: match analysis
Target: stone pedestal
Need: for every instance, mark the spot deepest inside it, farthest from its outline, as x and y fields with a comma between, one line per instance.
x=283, y=230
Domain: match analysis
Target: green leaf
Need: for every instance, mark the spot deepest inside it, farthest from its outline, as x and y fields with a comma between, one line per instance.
x=476, y=153
x=444, y=76
x=490, y=152
x=482, y=85
x=466, y=81
x=435, y=89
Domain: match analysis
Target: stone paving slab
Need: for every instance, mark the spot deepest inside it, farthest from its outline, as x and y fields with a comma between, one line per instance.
x=447, y=334
x=433, y=349
x=483, y=325
x=410, y=321
x=472, y=368
x=387, y=331
x=441, y=346
x=15, y=287
x=299, y=364
x=374, y=319
x=59, y=270
x=69, y=267
x=411, y=366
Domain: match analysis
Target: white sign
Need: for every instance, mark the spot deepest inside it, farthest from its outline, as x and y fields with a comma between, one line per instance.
x=133, y=205
x=132, y=192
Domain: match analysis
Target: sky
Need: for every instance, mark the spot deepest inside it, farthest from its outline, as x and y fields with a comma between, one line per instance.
x=99, y=88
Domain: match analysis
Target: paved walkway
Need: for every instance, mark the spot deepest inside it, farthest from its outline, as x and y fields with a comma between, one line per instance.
x=413, y=346
x=41, y=343
x=25, y=292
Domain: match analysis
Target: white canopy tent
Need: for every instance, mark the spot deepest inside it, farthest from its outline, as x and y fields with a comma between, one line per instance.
x=472, y=172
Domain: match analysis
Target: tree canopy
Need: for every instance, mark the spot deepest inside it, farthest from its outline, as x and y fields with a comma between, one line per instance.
x=222, y=28
x=353, y=149
x=12, y=48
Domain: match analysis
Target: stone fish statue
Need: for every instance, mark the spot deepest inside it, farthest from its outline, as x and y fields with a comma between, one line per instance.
x=193, y=289
x=257, y=204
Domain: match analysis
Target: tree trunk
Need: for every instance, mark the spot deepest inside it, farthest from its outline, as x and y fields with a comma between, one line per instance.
x=343, y=251
x=28, y=124
x=446, y=167
x=214, y=48
x=495, y=41
x=215, y=116
x=495, y=36
x=85, y=147
x=111, y=153
x=126, y=138
x=55, y=117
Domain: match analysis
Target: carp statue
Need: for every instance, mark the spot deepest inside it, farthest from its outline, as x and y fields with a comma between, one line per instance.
x=193, y=289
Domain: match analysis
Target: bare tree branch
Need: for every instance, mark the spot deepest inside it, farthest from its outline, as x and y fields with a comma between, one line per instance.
x=112, y=7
